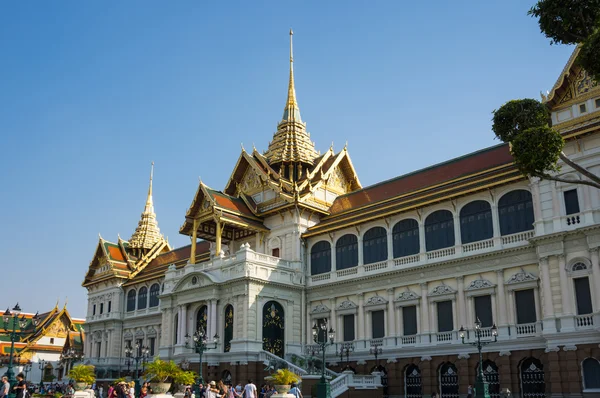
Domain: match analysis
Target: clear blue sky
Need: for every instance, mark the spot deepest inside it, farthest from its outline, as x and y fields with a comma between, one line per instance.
x=92, y=92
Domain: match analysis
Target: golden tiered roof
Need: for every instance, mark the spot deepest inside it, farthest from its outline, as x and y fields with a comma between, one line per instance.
x=291, y=142
x=147, y=232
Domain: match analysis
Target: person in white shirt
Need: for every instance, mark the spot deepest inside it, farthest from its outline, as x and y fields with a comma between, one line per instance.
x=250, y=389
x=4, y=387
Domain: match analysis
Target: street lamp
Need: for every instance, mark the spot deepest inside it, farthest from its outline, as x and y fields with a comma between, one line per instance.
x=376, y=350
x=323, y=387
x=27, y=369
x=13, y=316
x=199, y=342
x=42, y=366
x=481, y=385
x=68, y=357
x=346, y=349
x=139, y=353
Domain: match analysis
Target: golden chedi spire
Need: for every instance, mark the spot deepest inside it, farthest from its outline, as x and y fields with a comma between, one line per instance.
x=147, y=232
x=291, y=143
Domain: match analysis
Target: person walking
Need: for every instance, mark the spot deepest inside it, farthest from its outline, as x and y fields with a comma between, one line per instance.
x=250, y=389
x=21, y=386
x=295, y=391
x=470, y=391
x=4, y=387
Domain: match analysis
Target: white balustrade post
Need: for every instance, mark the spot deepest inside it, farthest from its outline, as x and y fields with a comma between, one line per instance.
x=548, y=307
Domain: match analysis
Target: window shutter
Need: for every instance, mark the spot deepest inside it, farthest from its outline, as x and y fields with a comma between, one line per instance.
x=349, y=327
x=583, y=296
x=525, y=303
x=409, y=320
x=571, y=201
x=377, y=324
x=483, y=310
x=444, y=315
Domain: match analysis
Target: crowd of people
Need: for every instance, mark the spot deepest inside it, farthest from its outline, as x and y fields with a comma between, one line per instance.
x=225, y=390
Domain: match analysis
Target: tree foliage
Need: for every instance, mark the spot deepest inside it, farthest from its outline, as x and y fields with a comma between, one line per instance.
x=535, y=145
x=572, y=22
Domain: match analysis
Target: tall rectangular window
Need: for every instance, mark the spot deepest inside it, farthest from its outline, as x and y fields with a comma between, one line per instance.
x=525, y=303
x=322, y=333
x=152, y=344
x=571, y=202
x=98, y=349
x=444, y=315
x=483, y=310
x=378, y=324
x=109, y=306
x=94, y=309
x=275, y=252
x=349, y=327
x=409, y=320
x=101, y=308
x=583, y=296
x=139, y=343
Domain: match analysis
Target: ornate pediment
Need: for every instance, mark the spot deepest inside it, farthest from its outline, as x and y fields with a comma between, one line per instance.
x=139, y=334
x=480, y=284
x=251, y=183
x=346, y=305
x=321, y=308
x=151, y=332
x=57, y=329
x=520, y=277
x=376, y=300
x=441, y=290
x=408, y=295
x=338, y=181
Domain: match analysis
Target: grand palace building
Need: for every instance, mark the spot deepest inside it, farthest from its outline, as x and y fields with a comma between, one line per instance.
x=293, y=239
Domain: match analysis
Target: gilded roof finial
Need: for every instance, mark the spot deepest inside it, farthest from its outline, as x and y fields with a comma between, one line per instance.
x=291, y=112
x=147, y=232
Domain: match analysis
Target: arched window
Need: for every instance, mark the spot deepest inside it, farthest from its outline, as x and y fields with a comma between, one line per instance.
x=515, y=212
x=412, y=382
x=346, y=252
x=532, y=378
x=273, y=328
x=131, y=296
x=406, y=238
x=448, y=378
x=439, y=230
x=490, y=373
x=154, y=291
x=142, y=298
x=228, y=330
x=320, y=258
x=579, y=267
x=375, y=245
x=591, y=373
x=201, y=317
x=476, y=222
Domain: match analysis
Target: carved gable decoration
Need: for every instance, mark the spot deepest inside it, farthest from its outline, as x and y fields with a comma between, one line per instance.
x=321, y=308
x=346, y=305
x=337, y=180
x=408, y=295
x=251, y=182
x=480, y=284
x=128, y=335
x=520, y=277
x=57, y=329
x=441, y=290
x=151, y=332
x=577, y=84
x=376, y=300
x=139, y=334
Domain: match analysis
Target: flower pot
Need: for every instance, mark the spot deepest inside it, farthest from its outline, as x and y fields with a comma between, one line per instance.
x=282, y=389
x=80, y=386
x=160, y=388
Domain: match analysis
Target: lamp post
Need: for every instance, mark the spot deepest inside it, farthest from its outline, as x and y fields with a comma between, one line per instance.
x=68, y=357
x=26, y=369
x=481, y=385
x=346, y=349
x=11, y=330
x=199, y=342
x=323, y=387
x=42, y=366
x=139, y=353
x=376, y=350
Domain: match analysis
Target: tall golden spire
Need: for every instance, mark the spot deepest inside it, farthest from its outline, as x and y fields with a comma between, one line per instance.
x=291, y=143
x=147, y=232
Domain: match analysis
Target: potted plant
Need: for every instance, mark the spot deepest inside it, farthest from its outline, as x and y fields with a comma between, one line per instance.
x=161, y=374
x=282, y=380
x=83, y=375
x=185, y=378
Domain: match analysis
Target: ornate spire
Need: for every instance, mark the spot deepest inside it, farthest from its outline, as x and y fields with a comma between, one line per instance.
x=147, y=232
x=291, y=142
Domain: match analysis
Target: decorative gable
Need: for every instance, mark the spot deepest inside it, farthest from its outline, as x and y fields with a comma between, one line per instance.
x=442, y=290
x=408, y=295
x=478, y=284
x=319, y=309
x=346, y=305
x=521, y=277
x=376, y=300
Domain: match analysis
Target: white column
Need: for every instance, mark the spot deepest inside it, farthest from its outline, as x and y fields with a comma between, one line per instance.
x=400, y=320
x=546, y=289
x=537, y=204
x=179, y=324
x=332, y=318
x=470, y=313
x=184, y=323
x=246, y=301
x=512, y=308
x=424, y=309
x=495, y=221
x=213, y=318
x=596, y=276
x=457, y=237
x=422, y=245
x=390, y=244
x=333, y=257
x=391, y=314
x=368, y=325
x=555, y=208
x=462, y=319
x=501, y=298
x=361, y=317
x=360, y=251
x=565, y=292
x=309, y=337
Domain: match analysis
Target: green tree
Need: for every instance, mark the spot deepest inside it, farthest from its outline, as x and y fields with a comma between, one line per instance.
x=536, y=147
x=573, y=22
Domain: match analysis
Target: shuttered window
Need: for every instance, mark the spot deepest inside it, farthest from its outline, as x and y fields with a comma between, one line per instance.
x=349, y=327
x=583, y=296
x=409, y=320
x=406, y=238
x=571, y=201
x=483, y=310
x=378, y=324
x=444, y=315
x=525, y=303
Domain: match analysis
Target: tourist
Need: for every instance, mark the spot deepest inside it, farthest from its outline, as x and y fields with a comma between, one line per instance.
x=131, y=389
x=21, y=386
x=295, y=391
x=212, y=391
x=470, y=391
x=250, y=390
x=222, y=388
x=4, y=387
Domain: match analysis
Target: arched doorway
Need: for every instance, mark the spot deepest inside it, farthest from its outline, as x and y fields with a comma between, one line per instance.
x=226, y=377
x=413, y=387
x=448, y=381
x=531, y=373
x=490, y=373
x=273, y=328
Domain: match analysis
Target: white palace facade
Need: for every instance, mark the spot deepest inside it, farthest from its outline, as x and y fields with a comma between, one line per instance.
x=294, y=240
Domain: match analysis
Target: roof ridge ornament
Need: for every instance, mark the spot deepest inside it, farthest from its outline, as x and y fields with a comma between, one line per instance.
x=147, y=232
